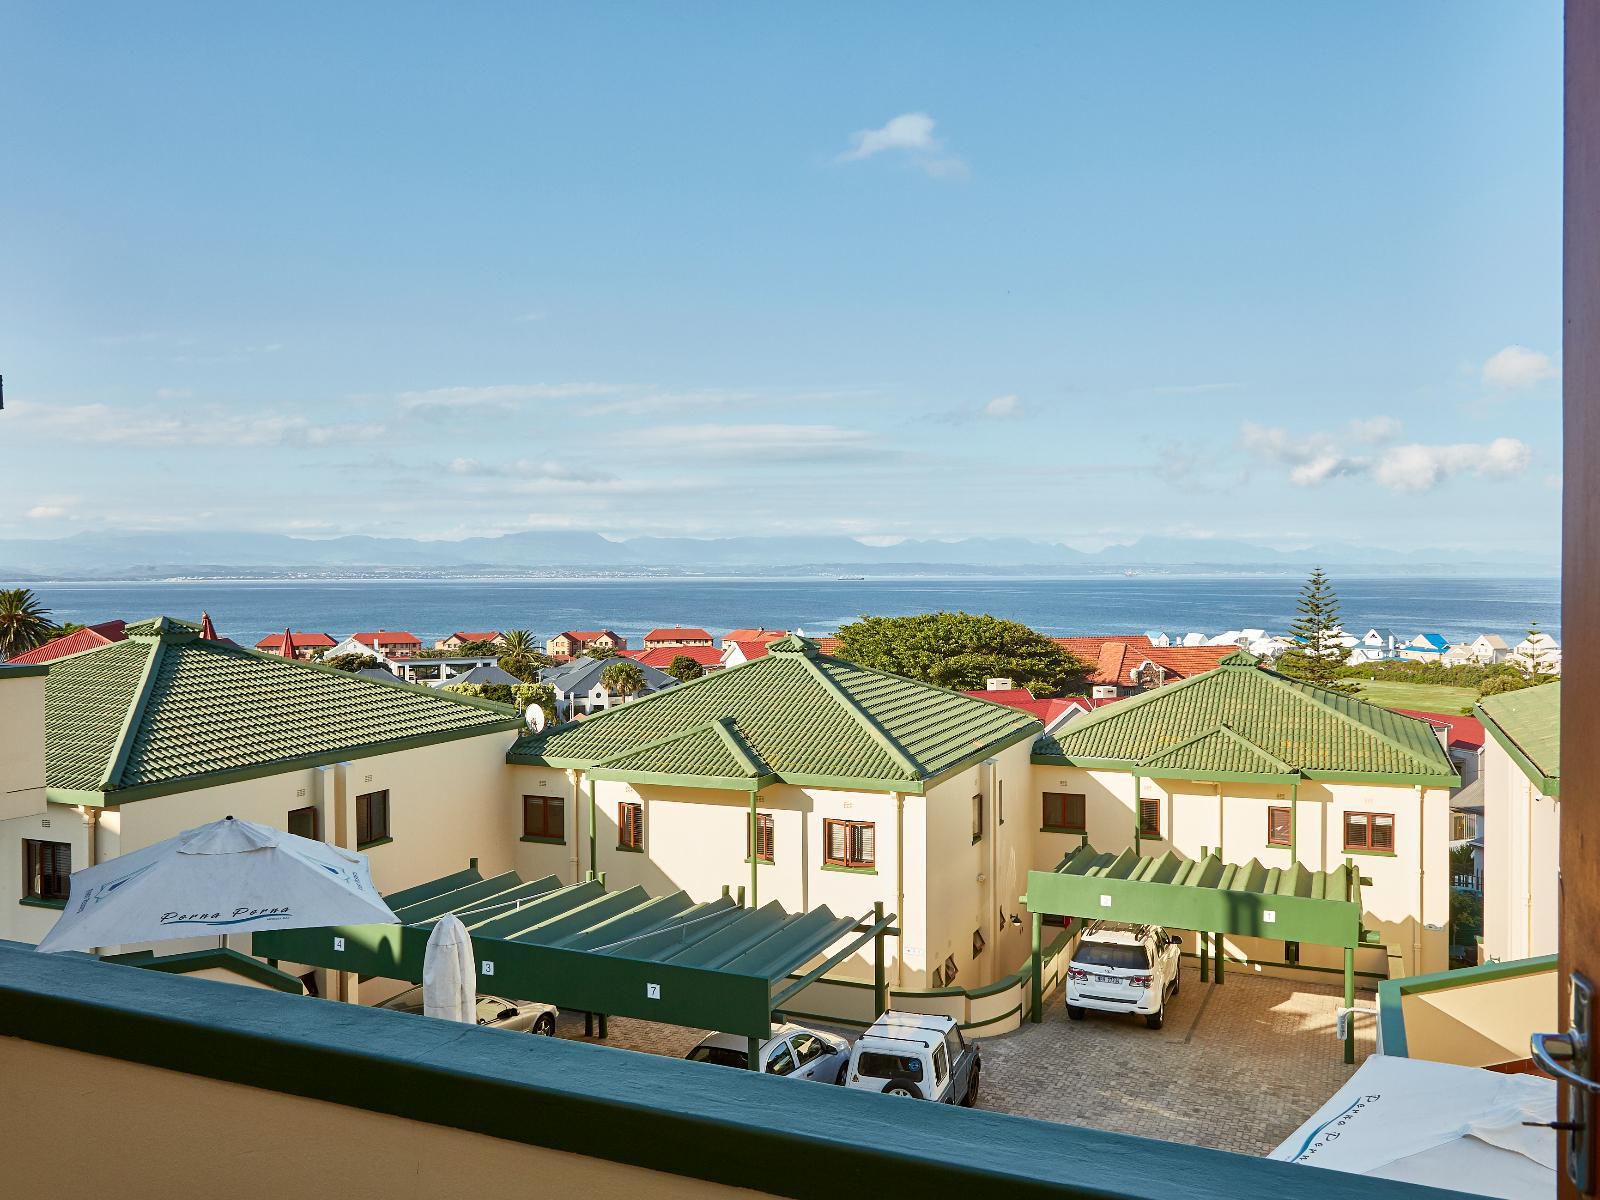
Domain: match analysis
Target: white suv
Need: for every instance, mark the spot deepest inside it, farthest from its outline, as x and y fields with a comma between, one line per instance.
x=1124, y=969
x=917, y=1055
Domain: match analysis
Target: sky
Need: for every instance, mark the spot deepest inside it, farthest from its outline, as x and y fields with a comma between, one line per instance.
x=1073, y=272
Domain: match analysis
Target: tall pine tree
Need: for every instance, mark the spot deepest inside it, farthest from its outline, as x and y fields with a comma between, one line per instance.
x=1317, y=654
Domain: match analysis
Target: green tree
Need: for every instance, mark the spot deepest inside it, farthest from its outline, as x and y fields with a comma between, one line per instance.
x=24, y=622
x=500, y=693
x=1317, y=655
x=599, y=652
x=622, y=678
x=540, y=695
x=351, y=662
x=963, y=650
x=1535, y=658
x=683, y=668
x=520, y=655
x=479, y=650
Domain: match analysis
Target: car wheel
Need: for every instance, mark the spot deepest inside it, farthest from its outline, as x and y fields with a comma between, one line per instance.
x=902, y=1087
x=1074, y=1013
x=971, y=1098
x=1156, y=1019
x=844, y=1069
x=545, y=1026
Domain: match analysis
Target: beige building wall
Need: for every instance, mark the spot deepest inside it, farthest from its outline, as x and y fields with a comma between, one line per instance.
x=1407, y=902
x=1480, y=1024
x=1521, y=861
x=21, y=744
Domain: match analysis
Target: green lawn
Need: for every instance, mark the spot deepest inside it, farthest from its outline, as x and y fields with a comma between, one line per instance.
x=1428, y=697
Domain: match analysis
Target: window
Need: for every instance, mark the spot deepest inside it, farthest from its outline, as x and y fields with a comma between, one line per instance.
x=938, y=977
x=977, y=817
x=1149, y=818
x=1369, y=831
x=977, y=942
x=808, y=1047
x=941, y=1065
x=781, y=1062
x=630, y=826
x=306, y=823
x=889, y=1066
x=950, y=971
x=48, y=869
x=544, y=817
x=849, y=844
x=1278, y=824
x=1064, y=812
x=372, y=818
x=763, y=838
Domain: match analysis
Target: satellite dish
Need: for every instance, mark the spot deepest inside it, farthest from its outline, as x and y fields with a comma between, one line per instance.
x=534, y=716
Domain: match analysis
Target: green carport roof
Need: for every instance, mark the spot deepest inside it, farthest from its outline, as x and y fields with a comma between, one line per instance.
x=711, y=965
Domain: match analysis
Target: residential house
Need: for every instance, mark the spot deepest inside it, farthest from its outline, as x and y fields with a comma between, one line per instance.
x=708, y=657
x=757, y=634
x=1267, y=770
x=87, y=638
x=303, y=644
x=1375, y=645
x=436, y=671
x=1486, y=649
x=1425, y=647
x=1123, y=666
x=166, y=730
x=576, y=642
x=863, y=788
x=484, y=673
x=1050, y=712
x=1522, y=822
x=1540, y=654
x=659, y=639
x=1461, y=736
x=737, y=653
x=1157, y=638
x=461, y=638
x=579, y=691
x=380, y=643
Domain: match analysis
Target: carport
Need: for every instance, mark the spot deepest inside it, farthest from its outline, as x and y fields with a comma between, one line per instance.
x=1209, y=896
x=716, y=965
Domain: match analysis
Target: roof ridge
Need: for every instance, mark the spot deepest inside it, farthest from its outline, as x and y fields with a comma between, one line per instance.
x=1299, y=688
x=122, y=748
x=1101, y=716
x=728, y=729
x=693, y=731
x=1232, y=734
x=859, y=714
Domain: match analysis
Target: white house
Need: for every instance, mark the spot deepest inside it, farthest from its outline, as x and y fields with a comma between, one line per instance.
x=579, y=690
x=1522, y=822
x=1540, y=653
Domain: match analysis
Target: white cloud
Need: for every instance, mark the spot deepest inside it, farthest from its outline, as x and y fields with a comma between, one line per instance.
x=1419, y=468
x=506, y=396
x=1003, y=407
x=1518, y=368
x=46, y=512
x=102, y=424
x=1315, y=458
x=910, y=134
x=773, y=441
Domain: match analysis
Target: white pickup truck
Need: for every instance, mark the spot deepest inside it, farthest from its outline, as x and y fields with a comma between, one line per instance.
x=1123, y=968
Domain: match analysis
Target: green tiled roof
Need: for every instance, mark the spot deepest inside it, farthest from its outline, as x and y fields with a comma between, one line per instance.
x=1240, y=721
x=166, y=710
x=1527, y=725
x=797, y=715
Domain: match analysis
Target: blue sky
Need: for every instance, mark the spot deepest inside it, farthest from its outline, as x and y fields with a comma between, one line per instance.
x=1080, y=273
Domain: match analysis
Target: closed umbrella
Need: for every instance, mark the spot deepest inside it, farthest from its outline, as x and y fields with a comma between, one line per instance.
x=230, y=876
x=449, y=972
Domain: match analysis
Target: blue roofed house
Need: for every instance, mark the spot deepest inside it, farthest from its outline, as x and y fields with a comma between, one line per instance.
x=1426, y=647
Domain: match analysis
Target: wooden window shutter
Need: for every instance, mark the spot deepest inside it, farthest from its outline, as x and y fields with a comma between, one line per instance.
x=1077, y=815
x=1383, y=831
x=1355, y=831
x=1278, y=823
x=1150, y=818
x=836, y=841
x=866, y=850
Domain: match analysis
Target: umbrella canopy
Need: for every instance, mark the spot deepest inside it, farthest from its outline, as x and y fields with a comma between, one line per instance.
x=449, y=972
x=230, y=876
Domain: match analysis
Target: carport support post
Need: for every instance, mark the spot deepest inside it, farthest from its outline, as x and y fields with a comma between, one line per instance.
x=752, y=1053
x=1205, y=956
x=1349, y=1004
x=1036, y=984
x=1216, y=951
x=880, y=990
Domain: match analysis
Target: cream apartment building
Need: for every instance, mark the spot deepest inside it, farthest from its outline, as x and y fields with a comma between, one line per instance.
x=1522, y=822
x=130, y=743
x=1257, y=766
x=861, y=788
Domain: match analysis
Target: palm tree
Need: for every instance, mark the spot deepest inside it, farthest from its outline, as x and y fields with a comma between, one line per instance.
x=24, y=623
x=518, y=643
x=622, y=678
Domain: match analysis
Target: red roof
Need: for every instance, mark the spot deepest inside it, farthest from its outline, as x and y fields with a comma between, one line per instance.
x=661, y=657
x=387, y=636
x=826, y=645
x=1465, y=732
x=1048, y=711
x=677, y=634
x=487, y=635
x=751, y=650
x=86, y=638
x=753, y=635
x=1115, y=658
x=273, y=642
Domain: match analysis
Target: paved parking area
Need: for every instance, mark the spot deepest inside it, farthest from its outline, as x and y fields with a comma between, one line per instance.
x=1236, y=1067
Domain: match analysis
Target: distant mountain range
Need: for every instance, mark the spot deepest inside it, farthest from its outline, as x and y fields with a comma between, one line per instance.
x=268, y=555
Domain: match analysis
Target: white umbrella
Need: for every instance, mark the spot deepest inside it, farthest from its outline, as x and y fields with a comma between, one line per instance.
x=449, y=972
x=229, y=876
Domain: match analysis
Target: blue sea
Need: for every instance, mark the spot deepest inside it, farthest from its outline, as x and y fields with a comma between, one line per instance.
x=1459, y=608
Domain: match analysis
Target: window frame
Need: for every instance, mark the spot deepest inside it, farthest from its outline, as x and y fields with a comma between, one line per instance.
x=766, y=832
x=852, y=859
x=1288, y=825
x=1066, y=826
x=316, y=821
x=1369, y=846
x=630, y=826
x=365, y=806
x=977, y=817
x=1152, y=828
x=543, y=833
x=979, y=943
x=34, y=874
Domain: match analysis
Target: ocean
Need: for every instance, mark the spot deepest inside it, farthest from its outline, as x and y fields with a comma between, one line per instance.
x=1459, y=608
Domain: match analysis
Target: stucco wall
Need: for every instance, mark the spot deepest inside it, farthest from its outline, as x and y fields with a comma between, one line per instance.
x=1521, y=864
x=1480, y=1024
x=21, y=745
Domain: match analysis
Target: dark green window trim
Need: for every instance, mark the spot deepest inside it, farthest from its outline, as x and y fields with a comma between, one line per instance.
x=850, y=870
x=35, y=902
x=1373, y=853
x=1062, y=829
x=630, y=849
x=546, y=841
x=760, y=862
x=383, y=841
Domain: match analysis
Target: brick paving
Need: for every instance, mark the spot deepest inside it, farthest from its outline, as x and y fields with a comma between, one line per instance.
x=1236, y=1067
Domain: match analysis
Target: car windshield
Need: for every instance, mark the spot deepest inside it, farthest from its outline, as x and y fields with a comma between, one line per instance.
x=720, y=1055
x=409, y=1000
x=889, y=1066
x=1111, y=954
